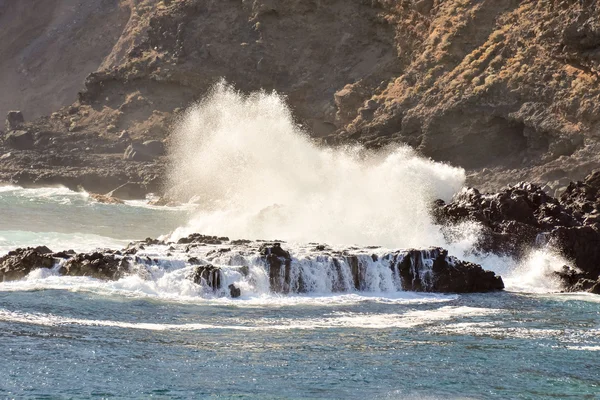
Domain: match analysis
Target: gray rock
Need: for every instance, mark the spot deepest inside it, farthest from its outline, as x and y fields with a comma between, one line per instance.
x=155, y=147
x=14, y=120
x=20, y=140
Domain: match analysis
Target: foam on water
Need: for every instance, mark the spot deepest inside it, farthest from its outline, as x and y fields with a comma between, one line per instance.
x=80, y=242
x=408, y=319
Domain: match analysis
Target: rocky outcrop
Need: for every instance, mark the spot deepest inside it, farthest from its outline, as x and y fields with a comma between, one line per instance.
x=207, y=275
x=20, y=262
x=507, y=89
x=431, y=270
x=97, y=265
x=14, y=120
x=223, y=267
x=523, y=216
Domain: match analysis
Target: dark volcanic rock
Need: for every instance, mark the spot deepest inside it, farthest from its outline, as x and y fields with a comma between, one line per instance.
x=20, y=262
x=429, y=270
x=14, y=120
x=20, y=140
x=434, y=271
x=208, y=274
x=279, y=263
x=234, y=291
x=198, y=238
x=523, y=216
x=97, y=265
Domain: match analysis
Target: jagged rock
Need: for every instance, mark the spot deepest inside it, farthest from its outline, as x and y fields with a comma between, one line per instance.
x=20, y=140
x=429, y=270
x=518, y=216
x=279, y=262
x=20, y=262
x=234, y=291
x=97, y=265
x=208, y=275
x=582, y=246
x=198, y=238
x=14, y=120
x=445, y=274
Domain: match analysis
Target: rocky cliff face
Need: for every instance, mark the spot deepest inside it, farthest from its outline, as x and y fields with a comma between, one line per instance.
x=506, y=88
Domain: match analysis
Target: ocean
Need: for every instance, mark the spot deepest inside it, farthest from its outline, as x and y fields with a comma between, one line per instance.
x=76, y=337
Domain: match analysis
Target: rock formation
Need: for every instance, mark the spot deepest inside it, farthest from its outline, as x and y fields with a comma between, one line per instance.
x=219, y=265
x=523, y=216
x=506, y=88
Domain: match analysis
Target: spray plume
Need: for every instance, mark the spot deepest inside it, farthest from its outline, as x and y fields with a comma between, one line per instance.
x=256, y=174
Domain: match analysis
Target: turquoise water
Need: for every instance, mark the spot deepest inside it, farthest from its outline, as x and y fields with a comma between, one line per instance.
x=81, y=338
x=63, y=343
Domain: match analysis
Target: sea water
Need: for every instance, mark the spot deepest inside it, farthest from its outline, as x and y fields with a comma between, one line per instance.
x=243, y=168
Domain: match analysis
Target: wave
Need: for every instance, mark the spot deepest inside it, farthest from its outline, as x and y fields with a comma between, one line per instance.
x=254, y=173
x=409, y=319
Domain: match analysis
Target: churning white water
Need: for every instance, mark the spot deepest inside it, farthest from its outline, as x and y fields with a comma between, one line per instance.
x=256, y=174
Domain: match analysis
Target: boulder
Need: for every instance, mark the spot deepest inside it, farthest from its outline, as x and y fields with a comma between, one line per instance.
x=18, y=263
x=20, y=140
x=234, y=291
x=14, y=120
x=207, y=275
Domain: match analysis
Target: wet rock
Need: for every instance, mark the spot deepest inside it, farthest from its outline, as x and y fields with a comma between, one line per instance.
x=20, y=262
x=14, y=120
x=198, y=238
x=97, y=265
x=105, y=199
x=279, y=262
x=434, y=271
x=207, y=275
x=523, y=216
x=234, y=291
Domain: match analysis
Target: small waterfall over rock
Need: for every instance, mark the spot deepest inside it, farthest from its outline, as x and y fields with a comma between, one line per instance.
x=216, y=266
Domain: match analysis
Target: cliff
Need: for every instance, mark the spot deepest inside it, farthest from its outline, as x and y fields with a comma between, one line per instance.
x=507, y=89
